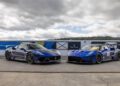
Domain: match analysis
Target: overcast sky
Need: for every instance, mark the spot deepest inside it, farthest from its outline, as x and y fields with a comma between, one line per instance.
x=48, y=19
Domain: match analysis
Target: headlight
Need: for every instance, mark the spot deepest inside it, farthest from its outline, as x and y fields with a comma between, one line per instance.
x=57, y=52
x=39, y=53
x=90, y=53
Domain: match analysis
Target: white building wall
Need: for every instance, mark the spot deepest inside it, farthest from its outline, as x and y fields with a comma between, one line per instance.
x=85, y=42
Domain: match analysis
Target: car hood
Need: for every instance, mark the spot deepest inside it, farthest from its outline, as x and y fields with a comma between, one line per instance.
x=45, y=53
x=80, y=53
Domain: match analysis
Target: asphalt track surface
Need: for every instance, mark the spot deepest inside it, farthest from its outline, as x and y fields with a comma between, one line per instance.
x=63, y=67
x=16, y=73
x=58, y=79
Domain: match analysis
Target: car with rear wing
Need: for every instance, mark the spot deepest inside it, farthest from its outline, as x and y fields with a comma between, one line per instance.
x=95, y=54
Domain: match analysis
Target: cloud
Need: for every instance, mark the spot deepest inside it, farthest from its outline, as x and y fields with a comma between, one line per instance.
x=8, y=16
x=46, y=19
x=36, y=34
x=38, y=7
x=82, y=8
x=17, y=19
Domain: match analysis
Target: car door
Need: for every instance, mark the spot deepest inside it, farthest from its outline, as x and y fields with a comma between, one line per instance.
x=109, y=56
x=20, y=52
x=106, y=53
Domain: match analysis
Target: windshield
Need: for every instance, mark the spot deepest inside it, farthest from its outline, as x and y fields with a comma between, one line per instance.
x=36, y=46
x=89, y=47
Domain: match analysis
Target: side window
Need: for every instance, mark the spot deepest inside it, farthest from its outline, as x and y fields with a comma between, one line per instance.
x=22, y=46
x=104, y=48
x=100, y=47
x=112, y=49
x=16, y=47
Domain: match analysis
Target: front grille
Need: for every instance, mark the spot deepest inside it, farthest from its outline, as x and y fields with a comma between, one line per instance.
x=73, y=58
x=54, y=58
x=49, y=58
x=42, y=59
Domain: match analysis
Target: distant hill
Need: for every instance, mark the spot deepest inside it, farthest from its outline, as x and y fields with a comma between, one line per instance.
x=91, y=38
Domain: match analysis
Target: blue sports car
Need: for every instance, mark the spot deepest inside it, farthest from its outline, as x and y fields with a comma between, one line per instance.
x=95, y=54
x=32, y=53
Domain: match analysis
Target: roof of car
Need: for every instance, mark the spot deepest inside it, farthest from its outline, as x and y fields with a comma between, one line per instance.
x=28, y=43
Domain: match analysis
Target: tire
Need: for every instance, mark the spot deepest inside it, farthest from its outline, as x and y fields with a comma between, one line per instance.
x=69, y=59
x=118, y=56
x=29, y=58
x=98, y=59
x=8, y=56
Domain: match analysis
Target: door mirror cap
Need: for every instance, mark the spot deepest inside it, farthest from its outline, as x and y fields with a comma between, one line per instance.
x=13, y=48
x=23, y=49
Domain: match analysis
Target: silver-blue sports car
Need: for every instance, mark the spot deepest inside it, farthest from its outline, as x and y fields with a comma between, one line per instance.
x=32, y=53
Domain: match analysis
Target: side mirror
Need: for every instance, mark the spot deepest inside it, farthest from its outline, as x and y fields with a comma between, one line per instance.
x=112, y=49
x=23, y=49
x=13, y=48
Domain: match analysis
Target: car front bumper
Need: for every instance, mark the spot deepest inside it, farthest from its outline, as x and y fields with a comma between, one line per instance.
x=79, y=59
x=49, y=59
